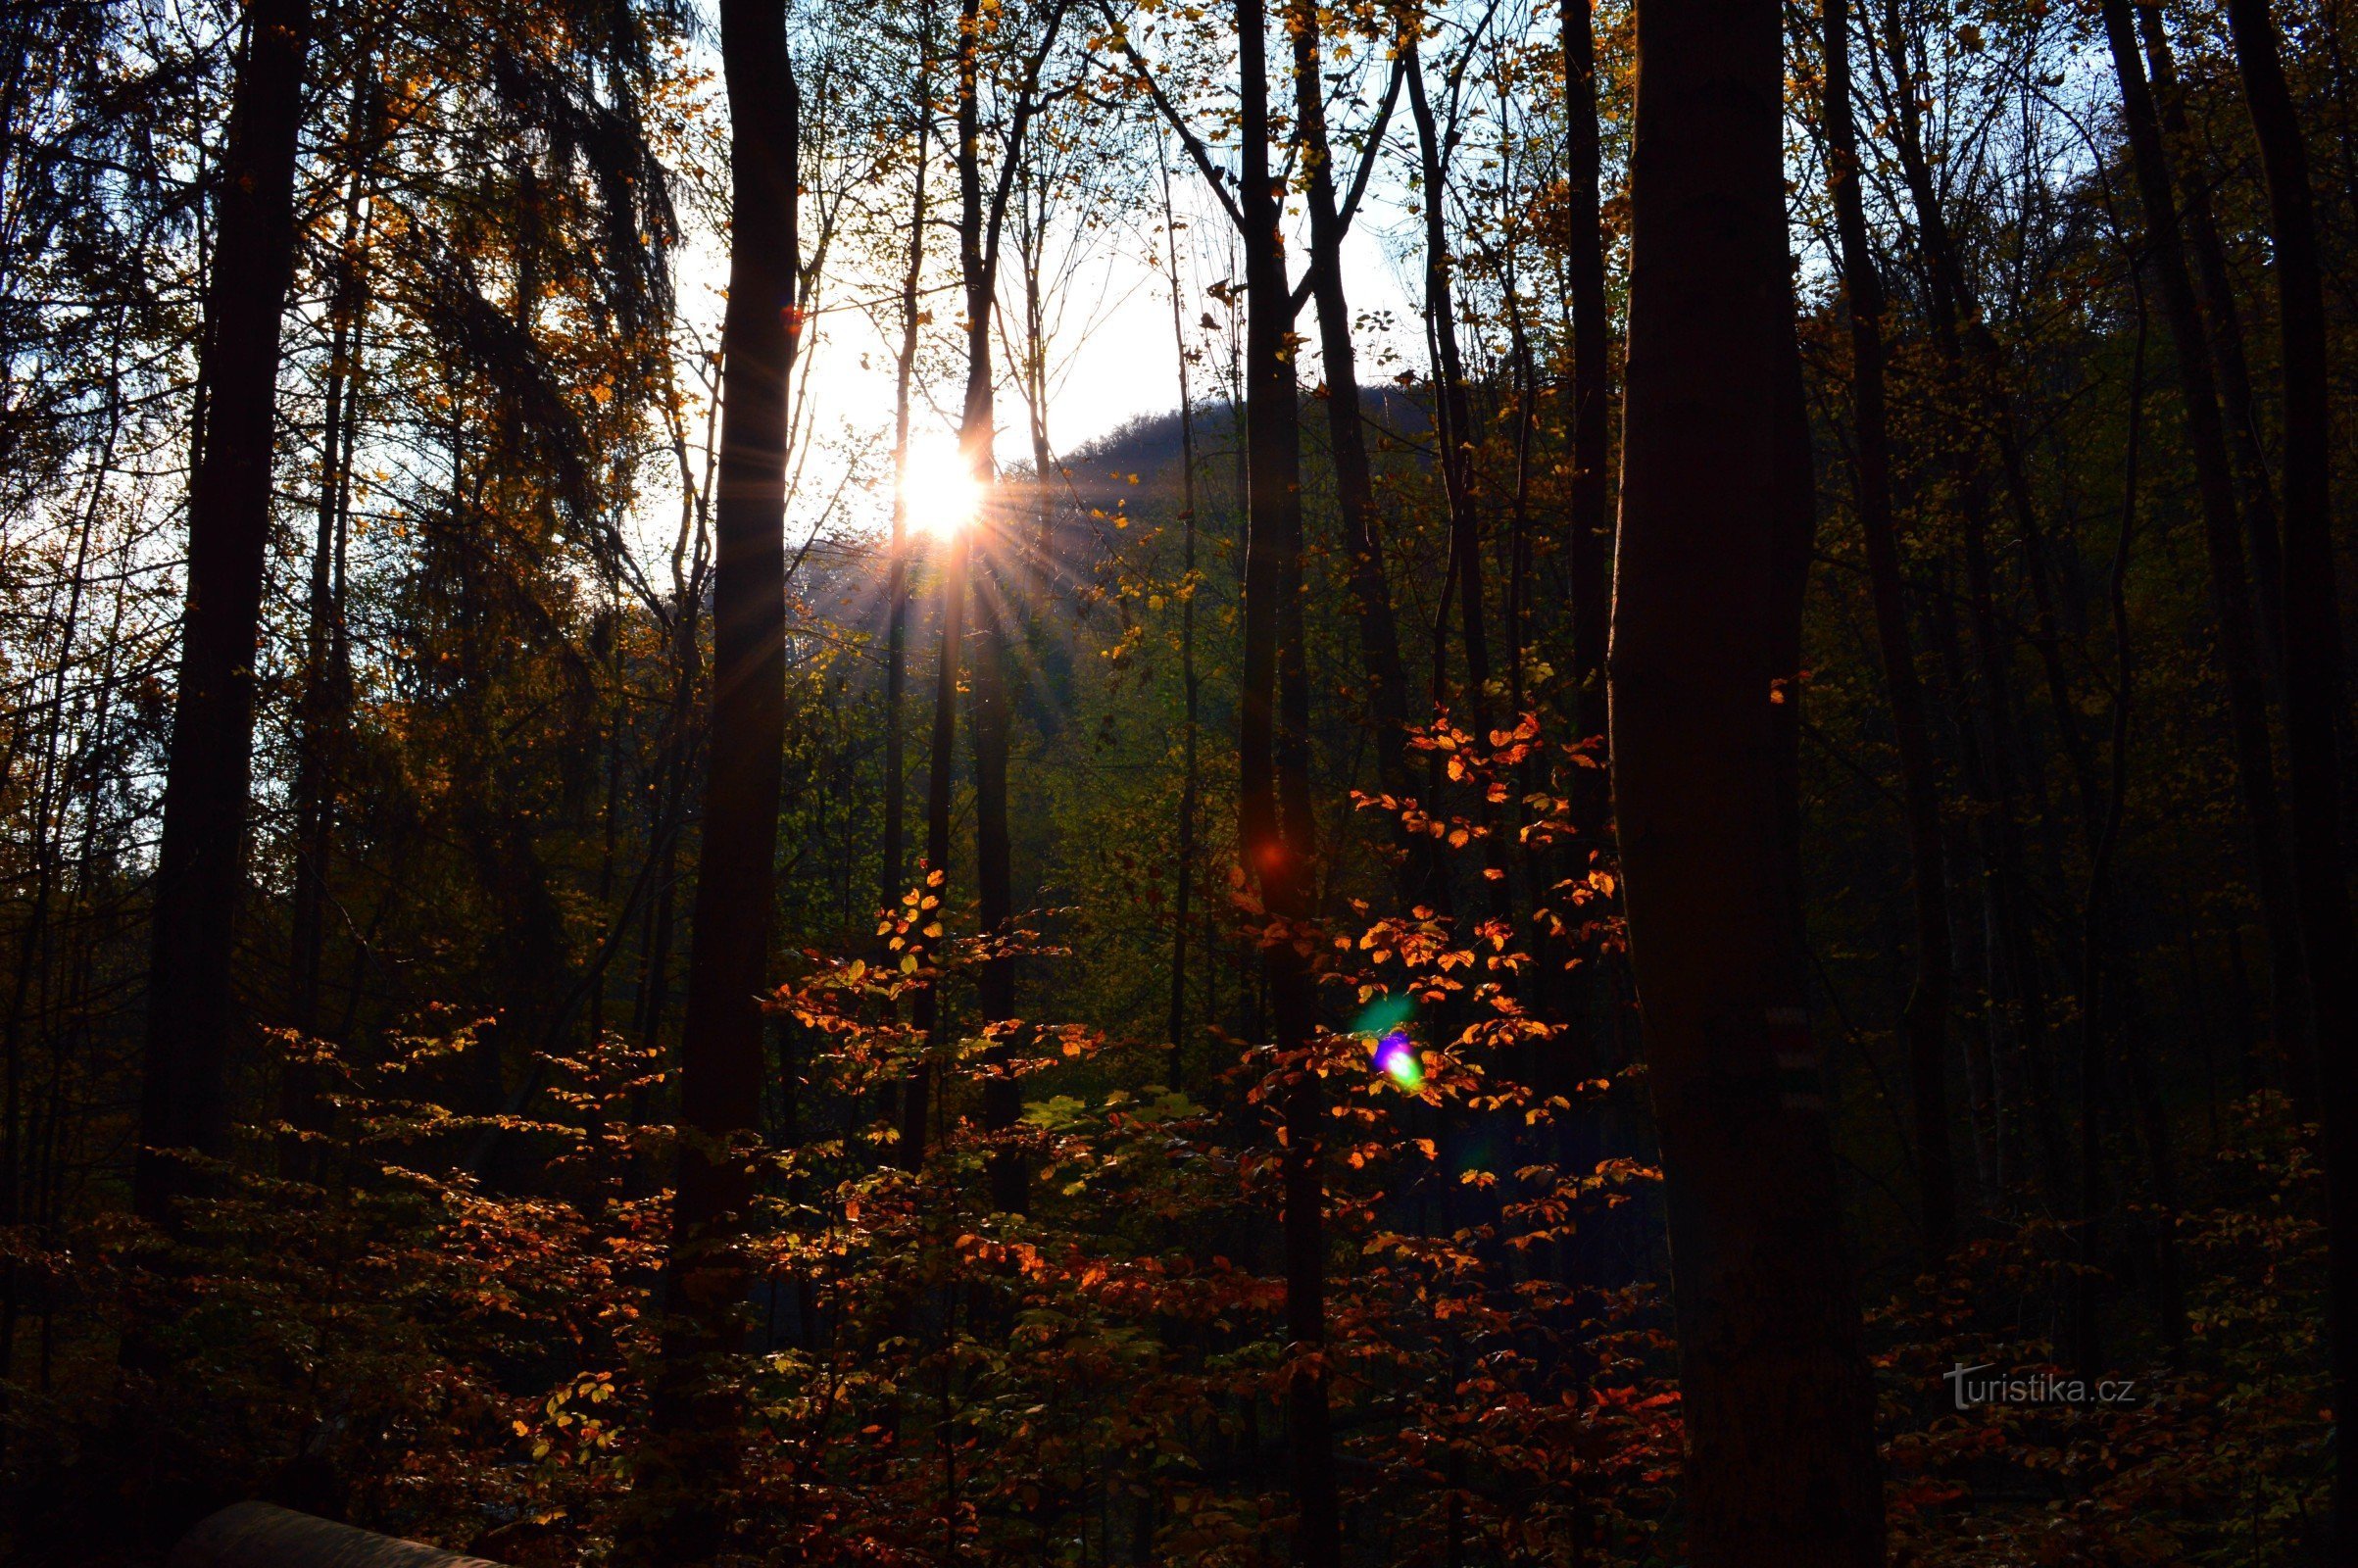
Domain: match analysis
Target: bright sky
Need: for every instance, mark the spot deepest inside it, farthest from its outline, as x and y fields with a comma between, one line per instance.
x=1112, y=358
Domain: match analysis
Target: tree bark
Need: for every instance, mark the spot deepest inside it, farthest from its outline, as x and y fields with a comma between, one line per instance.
x=895, y=592
x=1588, y=553
x=1455, y=438
x=1713, y=557
x=325, y=698
x=2313, y=698
x=1191, y=683
x=1923, y=1022
x=2230, y=586
x=199, y=870
x=1347, y=433
x=1275, y=833
x=720, y=1053
x=2260, y=529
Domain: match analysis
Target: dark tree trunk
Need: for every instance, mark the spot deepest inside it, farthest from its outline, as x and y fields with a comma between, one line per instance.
x=1588, y=553
x=1346, y=434
x=925, y=1012
x=1924, y=1021
x=2260, y=531
x=2095, y=908
x=720, y=1052
x=323, y=698
x=1715, y=525
x=200, y=866
x=896, y=637
x=978, y=255
x=996, y=565
x=2230, y=586
x=2313, y=696
x=1191, y=684
x=1454, y=437
x=1275, y=833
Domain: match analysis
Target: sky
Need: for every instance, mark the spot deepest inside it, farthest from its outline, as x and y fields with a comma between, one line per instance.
x=1112, y=361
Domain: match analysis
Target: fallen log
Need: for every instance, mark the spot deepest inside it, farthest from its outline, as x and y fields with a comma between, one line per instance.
x=261, y=1535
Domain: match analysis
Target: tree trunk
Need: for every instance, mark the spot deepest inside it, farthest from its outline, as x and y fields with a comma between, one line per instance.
x=1588, y=553
x=720, y=1052
x=1923, y=1023
x=2313, y=696
x=1191, y=684
x=1455, y=439
x=896, y=591
x=200, y=868
x=1347, y=433
x=1275, y=829
x=325, y=698
x=925, y=1012
x=2230, y=587
x=2260, y=531
x=996, y=565
x=1715, y=525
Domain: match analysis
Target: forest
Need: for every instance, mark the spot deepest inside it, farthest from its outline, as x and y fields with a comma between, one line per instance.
x=1356, y=783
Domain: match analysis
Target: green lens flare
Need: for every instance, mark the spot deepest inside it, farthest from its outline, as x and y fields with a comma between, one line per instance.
x=1382, y=1016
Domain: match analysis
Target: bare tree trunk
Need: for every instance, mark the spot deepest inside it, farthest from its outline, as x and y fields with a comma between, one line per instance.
x=1346, y=418
x=1454, y=436
x=2230, y=586
x=200, y=868
x=896, y=591
x=1715, y=524
x=995, y=567
x=2313, y=697
x=1925, y=1020
x=324, y=696
x=1588, y=553
x=1275, y=833
x=925, y=1012
x=2260, y=531
x=2094, y=908
x=721, y=1050
x=1191, y=684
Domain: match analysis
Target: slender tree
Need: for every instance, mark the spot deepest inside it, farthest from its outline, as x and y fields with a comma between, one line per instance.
x=2313, y=698
x=1588, y=522
x=1345, y=412
x=895, y=856
x=2238, y=649
x=1925, y=1020
x=721, y=1050
x=200, y=862
x=2225, y=323
x=1190, y=681
x=1276, y=835
x=1714, y=546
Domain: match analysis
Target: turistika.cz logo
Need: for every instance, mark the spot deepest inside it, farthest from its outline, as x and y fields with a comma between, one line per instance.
x=1978, y=1385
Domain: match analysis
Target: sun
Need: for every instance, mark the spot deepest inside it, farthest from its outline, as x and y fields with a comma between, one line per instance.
x=940, y=492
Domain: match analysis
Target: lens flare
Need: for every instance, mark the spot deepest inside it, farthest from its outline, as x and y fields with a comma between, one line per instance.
x=1382, y=1016
x=1395, y=1058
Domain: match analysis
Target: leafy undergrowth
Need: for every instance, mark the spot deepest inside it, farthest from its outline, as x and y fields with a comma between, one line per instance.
x=447, y=1326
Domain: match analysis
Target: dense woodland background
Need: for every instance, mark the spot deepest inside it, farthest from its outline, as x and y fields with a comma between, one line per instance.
x=1233, y=1142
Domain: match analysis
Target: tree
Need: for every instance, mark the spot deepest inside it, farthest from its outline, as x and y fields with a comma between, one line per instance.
x=2239, y=646
x=1346, y=415
x=720, y=1053
x=2313, y=699
x=1926, y=1019
x=1276, y=835
x=200, y=862
x=1715, y=523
